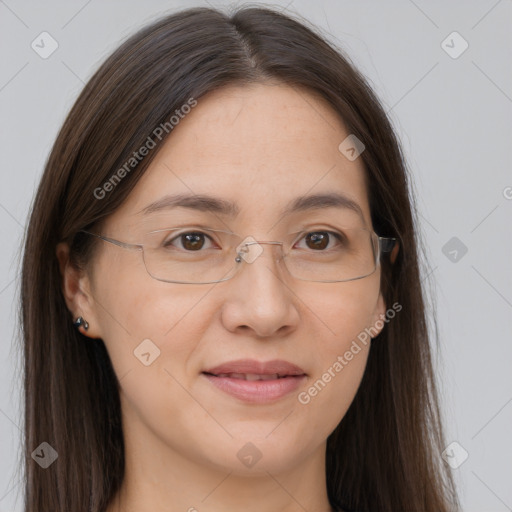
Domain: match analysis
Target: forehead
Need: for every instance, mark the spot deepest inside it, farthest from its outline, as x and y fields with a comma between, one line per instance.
x=259, y=147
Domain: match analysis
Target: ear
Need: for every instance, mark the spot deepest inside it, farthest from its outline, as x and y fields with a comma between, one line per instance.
x=394, y=252
x=76, y=290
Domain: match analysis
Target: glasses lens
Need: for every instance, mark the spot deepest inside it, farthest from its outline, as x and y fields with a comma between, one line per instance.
x=333, y=256
x=185, y=255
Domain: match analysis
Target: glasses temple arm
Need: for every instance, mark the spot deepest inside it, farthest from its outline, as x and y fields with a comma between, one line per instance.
x=115, y=242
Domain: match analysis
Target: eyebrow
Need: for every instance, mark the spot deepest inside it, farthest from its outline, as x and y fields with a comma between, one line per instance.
x=206, y=203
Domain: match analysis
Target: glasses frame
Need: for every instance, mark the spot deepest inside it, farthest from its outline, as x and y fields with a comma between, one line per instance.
x=384, y=245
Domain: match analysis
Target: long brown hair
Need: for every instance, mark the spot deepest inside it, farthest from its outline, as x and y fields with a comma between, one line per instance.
x=386, y=453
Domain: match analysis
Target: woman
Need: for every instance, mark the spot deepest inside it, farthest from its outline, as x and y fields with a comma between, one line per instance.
x=221, y=300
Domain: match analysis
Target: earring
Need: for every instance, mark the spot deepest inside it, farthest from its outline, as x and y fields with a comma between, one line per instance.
x=79, y=322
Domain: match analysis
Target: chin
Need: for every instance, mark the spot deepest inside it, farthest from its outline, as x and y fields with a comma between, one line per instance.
x=256, y=455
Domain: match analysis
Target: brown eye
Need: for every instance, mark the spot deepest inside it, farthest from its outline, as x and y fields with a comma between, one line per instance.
x=320, y=240
x=191, y=241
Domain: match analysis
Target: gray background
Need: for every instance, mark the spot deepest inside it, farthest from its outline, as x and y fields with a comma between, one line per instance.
x=453, y=116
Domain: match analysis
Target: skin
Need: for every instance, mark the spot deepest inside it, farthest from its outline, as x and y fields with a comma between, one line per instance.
x=182, y=434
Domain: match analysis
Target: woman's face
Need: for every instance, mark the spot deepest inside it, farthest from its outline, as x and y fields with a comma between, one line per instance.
x=259, y=147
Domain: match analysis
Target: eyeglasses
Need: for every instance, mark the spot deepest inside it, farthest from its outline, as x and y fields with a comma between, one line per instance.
x=204, y=256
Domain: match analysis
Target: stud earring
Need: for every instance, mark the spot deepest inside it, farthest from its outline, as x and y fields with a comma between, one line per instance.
x=79, y=322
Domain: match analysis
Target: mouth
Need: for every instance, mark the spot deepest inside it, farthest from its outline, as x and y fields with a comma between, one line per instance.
x=250, y=376
x=256, y=382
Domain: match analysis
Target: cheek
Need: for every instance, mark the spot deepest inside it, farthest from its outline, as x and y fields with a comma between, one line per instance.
x=340, y=354
x=146, y=321
x=330, y=392
x=151, y=331
x=331, y=388
x=344, y=310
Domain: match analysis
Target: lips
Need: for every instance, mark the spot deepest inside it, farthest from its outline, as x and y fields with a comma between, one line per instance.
x=254, y=381
x=252, y=367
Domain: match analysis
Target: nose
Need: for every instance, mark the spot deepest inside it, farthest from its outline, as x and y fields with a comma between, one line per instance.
x=260, y=296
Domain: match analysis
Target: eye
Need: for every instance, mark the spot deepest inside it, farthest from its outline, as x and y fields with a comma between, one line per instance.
x=319, y=240
x=192, y=241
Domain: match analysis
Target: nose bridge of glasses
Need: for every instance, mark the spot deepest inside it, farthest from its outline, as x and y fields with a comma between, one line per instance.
x=250, y=249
